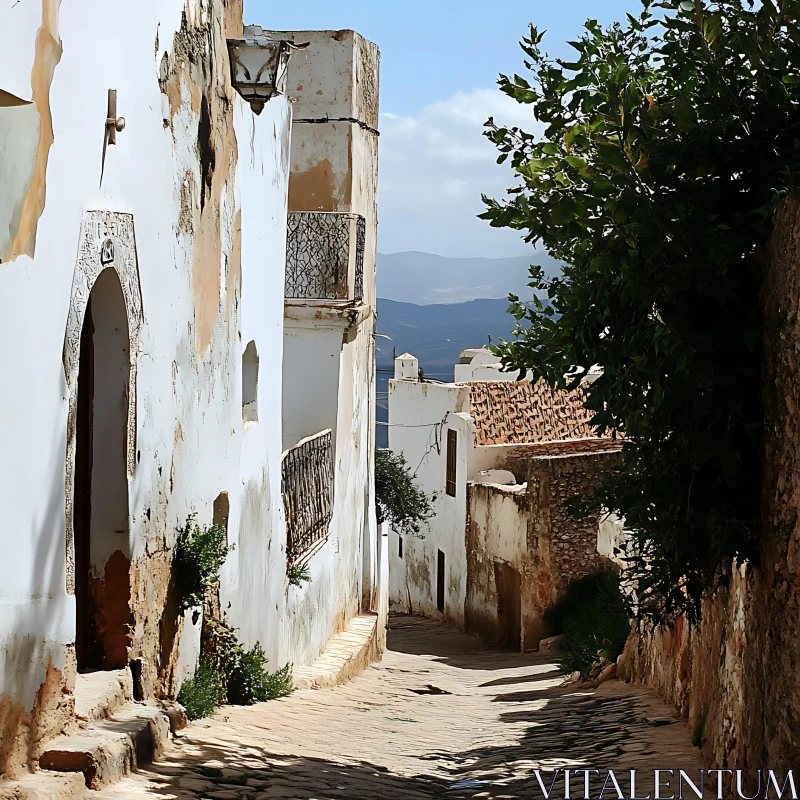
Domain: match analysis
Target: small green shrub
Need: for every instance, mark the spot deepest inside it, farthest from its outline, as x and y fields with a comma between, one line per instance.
x=244, y=672
x=219, y=642
x=699, y=732
x=596, y=630
x=201, y=694
x=199, y=556
x=298, y=574
x=250, y=682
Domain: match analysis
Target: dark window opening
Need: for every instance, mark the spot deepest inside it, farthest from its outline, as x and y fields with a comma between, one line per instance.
x=450, y=477
x=222, y=509
x=400, y=546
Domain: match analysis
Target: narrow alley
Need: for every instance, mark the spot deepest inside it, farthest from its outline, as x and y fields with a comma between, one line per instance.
x=440, y=716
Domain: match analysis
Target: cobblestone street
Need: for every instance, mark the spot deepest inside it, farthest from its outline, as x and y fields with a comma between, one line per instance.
x=440, y=716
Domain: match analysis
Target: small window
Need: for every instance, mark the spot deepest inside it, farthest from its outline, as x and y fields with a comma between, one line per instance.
x=399, y=546
x=222, y=509
x=450, y=477
x=250, y=383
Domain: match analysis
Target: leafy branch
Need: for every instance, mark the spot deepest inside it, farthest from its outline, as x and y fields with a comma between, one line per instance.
x=664, y=153
x=399, y=500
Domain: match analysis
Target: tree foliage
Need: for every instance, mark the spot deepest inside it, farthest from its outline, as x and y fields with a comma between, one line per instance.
x=398, y=499
x=666, y=144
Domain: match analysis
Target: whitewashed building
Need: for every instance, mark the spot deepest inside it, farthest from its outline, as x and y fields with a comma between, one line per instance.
x=501, y=457
x=157, y=214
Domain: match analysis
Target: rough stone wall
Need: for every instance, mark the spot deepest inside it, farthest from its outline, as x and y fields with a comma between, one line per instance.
x=562, y=548
x=572, y=543
x=532, y=533
x=740, y=663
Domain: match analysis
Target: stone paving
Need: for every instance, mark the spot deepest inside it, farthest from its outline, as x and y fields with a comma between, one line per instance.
x=441, y=716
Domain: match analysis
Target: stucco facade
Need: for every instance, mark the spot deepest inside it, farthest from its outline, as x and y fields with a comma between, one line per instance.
x=329, y=353
x=500, y=548
x=174, y=239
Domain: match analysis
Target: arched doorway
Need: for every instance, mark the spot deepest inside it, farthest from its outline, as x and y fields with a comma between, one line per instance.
x=100, y=510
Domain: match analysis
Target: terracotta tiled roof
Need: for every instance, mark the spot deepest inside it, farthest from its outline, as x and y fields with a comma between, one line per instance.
x=519, y=412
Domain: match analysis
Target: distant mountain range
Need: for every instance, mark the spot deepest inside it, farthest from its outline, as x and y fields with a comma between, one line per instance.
x=425, y=279
x=440, y=306
x=436, y=334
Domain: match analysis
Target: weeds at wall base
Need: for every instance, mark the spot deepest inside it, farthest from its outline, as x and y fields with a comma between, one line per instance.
x=699, y=732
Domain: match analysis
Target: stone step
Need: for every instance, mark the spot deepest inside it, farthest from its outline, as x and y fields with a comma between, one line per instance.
x=110, y=749
x=98, y=694
x=44, y=786
x=346, y=654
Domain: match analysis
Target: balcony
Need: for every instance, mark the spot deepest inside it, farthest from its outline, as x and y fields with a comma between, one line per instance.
x=325, y=257
x=307, y=488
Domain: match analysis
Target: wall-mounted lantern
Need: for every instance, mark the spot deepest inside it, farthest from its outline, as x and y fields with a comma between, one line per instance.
x=259, y=65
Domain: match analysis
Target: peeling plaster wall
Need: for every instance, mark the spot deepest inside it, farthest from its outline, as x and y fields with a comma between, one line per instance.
x=206, y=184
x=329, y=360
x=496, y=532
x=253, y=578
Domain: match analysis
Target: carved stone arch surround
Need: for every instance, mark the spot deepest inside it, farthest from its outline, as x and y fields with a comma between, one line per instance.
x=107, y=241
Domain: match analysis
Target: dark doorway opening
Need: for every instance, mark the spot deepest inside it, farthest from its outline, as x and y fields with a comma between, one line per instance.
x=509, y=605
x=100, y=508
x=82, y=512
x=440, y=578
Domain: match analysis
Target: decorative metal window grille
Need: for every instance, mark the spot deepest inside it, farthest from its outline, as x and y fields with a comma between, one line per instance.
x=325, y=255
x=450, y=477
x=361, y=238
x=307, y=488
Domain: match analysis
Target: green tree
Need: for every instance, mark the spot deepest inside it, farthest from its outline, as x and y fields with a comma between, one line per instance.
x=666, y=144
x=398, y=498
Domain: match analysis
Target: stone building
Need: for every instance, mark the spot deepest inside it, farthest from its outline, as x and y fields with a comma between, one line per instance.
x=159, y=210
x=503, y=458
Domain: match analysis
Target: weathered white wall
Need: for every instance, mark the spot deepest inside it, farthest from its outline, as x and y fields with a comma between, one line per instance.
x=482, y=366
x=611, y=538
x=254, y=577
x=415, y=413
x=498, y=533
x=311, y=363
x=211, y=265
x=334, y=168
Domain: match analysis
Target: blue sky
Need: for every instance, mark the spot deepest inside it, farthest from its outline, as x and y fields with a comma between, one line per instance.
x=439, y=63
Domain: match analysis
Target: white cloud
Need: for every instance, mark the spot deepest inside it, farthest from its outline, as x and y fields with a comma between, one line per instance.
x=433, y=169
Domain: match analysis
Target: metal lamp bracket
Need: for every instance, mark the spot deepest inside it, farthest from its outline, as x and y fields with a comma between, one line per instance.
x=114, y=125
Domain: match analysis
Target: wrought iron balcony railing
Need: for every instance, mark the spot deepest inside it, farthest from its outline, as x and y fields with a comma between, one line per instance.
x=307, y=488
x=325, y=256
